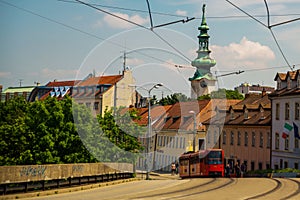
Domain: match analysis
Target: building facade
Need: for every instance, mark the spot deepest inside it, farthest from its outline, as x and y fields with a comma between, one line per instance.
x=286, y=121
x=243, y=131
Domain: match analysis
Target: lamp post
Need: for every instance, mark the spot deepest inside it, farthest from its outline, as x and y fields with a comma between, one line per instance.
x=194, y=130
x=150, y=127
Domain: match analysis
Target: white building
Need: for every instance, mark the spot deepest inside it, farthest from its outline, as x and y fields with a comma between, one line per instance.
x=286, y=111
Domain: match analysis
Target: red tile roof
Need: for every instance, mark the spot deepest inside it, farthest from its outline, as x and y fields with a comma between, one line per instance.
x=62, y=83
x=101, y=80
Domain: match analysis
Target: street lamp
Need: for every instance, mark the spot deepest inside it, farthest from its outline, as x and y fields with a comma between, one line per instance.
x=195, y=129
x=149, y=126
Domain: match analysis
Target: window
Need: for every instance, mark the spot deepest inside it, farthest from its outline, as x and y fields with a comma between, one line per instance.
x=286, y=164
x=287, y=111
x=296, y=166
x=286, y=143
x=88, y=104
x=297, y=111
x=277, y=111
x=224, y=137
x=252, y=166
x=253, y=139
x=296, y=143
x=239, y=138
x=96, y=105
x=277, y=141
x=261, y=139
x=232, y=138
x=246, y=139
x=260, y=166
x=268, y=140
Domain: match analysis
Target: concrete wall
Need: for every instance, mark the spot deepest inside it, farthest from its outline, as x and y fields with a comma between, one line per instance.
x=24, y=173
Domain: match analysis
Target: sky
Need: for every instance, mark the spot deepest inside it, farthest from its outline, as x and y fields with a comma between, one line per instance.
x=65, y=40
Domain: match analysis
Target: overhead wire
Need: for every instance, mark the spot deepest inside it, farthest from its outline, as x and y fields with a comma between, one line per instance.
x=269, y=27
x=176, y=15
x=141, y=26
x=83, y=32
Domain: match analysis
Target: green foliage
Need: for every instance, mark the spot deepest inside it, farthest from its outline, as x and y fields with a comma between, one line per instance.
x=41, y=132
x=121, y=131
x=173, y=98
x=222, y=94
x=266, y=171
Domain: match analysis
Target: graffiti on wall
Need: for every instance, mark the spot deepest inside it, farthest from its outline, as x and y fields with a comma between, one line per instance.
x=33, y=171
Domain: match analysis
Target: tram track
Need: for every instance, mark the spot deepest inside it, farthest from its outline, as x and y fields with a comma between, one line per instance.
x=277, y=187
x=295, y=193
x=179, y=190
x=280, y=185
x=231, y=181
x=190, y=191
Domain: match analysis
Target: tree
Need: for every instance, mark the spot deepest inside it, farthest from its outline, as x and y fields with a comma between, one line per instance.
x=173, y=98
x=122, y=132
x=222, y=94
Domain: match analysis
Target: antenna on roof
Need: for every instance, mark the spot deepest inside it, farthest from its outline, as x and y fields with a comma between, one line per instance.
x=20, y=82
x=124, y=60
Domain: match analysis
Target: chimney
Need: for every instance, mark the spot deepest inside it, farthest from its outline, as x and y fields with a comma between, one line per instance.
x=264, y=92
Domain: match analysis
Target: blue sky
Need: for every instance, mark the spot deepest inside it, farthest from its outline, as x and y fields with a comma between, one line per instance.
x=46, y=40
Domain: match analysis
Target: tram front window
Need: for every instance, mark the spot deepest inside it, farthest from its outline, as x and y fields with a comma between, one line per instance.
x=214, y=157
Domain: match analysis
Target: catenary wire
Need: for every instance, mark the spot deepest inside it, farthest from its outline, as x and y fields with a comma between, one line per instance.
x=158, y=35
x=83, y=32
x=267, y=26
x=174, y=15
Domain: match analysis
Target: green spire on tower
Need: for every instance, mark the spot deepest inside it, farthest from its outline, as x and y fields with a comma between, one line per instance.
x=203, y=62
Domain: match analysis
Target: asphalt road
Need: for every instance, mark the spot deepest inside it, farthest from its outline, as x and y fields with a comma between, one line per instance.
x=170, y=187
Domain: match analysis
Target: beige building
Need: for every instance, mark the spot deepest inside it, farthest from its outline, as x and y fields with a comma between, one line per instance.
x=96, y=92
x=103, y=92
x=175, y=128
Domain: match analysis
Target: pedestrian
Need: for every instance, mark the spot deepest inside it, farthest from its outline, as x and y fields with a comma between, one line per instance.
x=173, y=168
x=177, y=167
x=237, y=170
x=243, y=169
x=227, y=170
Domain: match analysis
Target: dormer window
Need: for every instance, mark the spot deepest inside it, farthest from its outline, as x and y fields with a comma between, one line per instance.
x=278, y=85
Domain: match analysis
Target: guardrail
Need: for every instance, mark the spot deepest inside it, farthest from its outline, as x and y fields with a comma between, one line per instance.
x=41, y=177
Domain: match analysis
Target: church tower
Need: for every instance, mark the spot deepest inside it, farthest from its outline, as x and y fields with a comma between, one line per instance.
x=203, y=82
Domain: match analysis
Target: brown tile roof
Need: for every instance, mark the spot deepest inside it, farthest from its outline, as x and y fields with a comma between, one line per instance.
x=100, y=80
x=62, y=83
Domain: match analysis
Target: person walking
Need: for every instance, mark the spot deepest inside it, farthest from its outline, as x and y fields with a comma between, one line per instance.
x=173, y=168
x=227, y=170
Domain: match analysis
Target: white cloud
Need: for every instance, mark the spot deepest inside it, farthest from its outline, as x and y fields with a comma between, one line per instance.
x=98, y=24
x=121, y=24
x=134, y=61
x=181, y=12
x=246, y=55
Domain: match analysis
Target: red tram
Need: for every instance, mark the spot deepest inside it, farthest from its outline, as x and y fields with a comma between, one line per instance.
x=202, y=163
